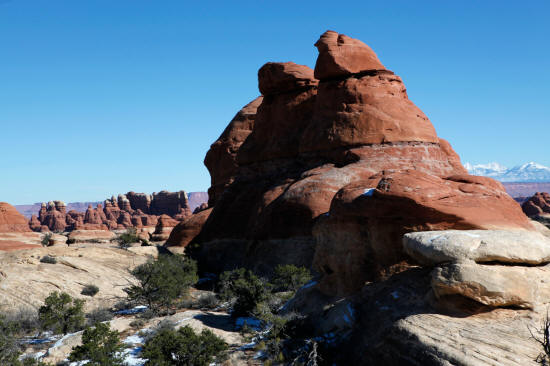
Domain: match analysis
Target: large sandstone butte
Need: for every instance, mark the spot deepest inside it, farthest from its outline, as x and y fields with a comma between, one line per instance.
x=11, y=220
x=330, y=168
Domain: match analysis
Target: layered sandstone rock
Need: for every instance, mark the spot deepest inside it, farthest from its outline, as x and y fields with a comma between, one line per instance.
x=11, y=220
x=117, y=213
x=338, y=166
x=493, y=268
x=537, y=205
x=164, y=228
x=187, y=230
x=221, y=158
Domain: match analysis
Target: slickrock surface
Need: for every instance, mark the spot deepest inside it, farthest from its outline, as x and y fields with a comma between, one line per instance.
x=25, y=281
x=334, y=165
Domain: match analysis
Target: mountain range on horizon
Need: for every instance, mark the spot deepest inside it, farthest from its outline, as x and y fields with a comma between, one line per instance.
x=528, y=172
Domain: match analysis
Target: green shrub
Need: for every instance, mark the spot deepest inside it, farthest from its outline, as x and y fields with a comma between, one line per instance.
x=46, y=239
x=183, y=347
x=9, y=349
x=127, y=238
x=290, y=278
x=61, y=313
x=244, y=290
x=162, y=281
x=137, y=324
x=89, y=290
x=100, y=345
x=48, y=259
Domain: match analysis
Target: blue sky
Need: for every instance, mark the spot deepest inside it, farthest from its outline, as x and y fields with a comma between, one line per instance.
x=105, y=96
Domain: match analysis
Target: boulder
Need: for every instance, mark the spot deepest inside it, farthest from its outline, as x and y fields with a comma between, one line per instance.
x=340, y=55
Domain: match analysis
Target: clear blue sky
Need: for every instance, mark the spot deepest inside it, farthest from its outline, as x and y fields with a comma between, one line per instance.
x=105, y=96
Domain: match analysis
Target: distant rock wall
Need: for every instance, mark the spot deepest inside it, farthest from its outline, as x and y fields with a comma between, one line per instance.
x=116, y=213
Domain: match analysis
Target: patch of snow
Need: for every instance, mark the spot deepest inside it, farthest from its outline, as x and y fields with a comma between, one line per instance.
x=470, y=234
x=395, y=295
x=131, y=357
x=134, y=339
x=253, y=323
x=368, y=192
x=59, y=343
x=134, y=310
x=250, y=345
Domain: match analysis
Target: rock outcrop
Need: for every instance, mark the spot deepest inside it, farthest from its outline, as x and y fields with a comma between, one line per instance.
x=334, y=166
x=537, y=205
x=117, y=213
x=11, y=220
x=187, y=230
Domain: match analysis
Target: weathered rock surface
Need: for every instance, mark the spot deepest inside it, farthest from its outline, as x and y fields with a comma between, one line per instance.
x=187, y=230
x=481, y=246
x=25, y=281
x=537, y=205
x=494, y=268
x=221, y=158
x=11, y=220
x=130, y=210
x=340, y=163
x=164, y=228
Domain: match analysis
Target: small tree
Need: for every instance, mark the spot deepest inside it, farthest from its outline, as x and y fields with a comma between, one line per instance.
x=61, y=313
x=101, y=346
x=162, y=281
x=46, y=239
x=183, y=347
x=290, y=278
x=127, y=238
x=9, y=350
x=244, y=289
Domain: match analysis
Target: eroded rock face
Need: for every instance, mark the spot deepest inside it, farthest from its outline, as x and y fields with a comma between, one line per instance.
x=187, y=230
x=117, y=213
x=493, y=268
x=11, y=220
x=537, y=205
x=221, y=158
x=340, y=160
x=163, y=228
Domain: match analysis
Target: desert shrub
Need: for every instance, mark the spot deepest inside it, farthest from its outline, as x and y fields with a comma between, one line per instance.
x=290, y=278
x=244, y=290
x=89, y=290
x=48, y=259
x=162, y=281
x=25, y=320
x=9, y=349
x=127, y=238
x=101, y=346
x=184, y=347
x=46, y=239
x=61, y=313
x=208, y=301
x=138, y=323
x=99, y=315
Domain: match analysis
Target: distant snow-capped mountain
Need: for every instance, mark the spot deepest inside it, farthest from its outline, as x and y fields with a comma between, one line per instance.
x=529, y=172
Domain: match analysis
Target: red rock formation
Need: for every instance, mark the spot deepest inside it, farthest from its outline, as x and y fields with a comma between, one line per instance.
x=11, y=220
x=164, y=227
x=356, y=131
x=139, y=210
x=221, y=158
x=537, y=205
x=187, y=230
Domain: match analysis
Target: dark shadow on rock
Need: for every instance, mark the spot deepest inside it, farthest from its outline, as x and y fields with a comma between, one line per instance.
x=218, y=321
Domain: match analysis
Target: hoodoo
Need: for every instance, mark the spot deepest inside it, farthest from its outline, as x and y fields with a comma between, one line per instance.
x=330, y=167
